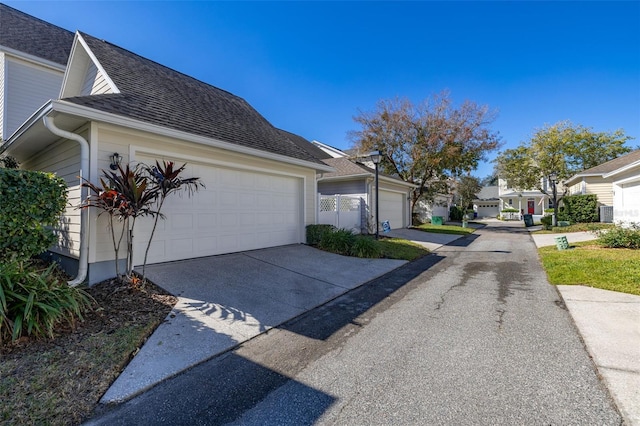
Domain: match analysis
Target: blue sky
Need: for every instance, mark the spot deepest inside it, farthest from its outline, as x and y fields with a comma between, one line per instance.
x=309, y=67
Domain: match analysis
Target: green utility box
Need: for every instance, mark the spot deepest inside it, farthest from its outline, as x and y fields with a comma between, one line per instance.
x=562, y=243
x=436, y=220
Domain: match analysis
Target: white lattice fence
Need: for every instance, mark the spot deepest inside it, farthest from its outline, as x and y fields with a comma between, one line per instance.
x=341, y=211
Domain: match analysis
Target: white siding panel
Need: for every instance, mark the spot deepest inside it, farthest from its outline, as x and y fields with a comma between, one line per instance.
x=63, y=159
x=2, y=89
x=94, y=82
x=27, y=88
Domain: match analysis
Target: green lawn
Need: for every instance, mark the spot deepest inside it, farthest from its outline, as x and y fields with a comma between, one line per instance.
x=397, y=248
x=588, y=264
x=576, y=227
x=445, y=229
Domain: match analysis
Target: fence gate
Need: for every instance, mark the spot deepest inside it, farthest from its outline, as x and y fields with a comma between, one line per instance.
x=341, y=211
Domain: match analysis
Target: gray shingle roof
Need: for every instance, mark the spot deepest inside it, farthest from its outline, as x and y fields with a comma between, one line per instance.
x=614, y=164
x=156, y=94
x=345, y=167
x=27, y=34
x=305, y=144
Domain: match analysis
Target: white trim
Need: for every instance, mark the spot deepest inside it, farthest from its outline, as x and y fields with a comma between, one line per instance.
x=630, y=179
x=622, y=169
x=33, y=59
x=95, y=115
x=97, y=63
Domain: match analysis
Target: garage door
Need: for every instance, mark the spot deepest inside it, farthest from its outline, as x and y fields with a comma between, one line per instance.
x=392, y=207
x=238, y=210
x=629, y=211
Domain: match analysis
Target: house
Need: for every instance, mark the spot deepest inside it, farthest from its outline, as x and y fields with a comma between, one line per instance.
x=260, y=185
x=529, y=201
x=33, y=58
x=488, y=202
x=599, y=180
x=353, y=180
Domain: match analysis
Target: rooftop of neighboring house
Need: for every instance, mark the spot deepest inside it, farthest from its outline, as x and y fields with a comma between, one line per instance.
x=27, y=34
x=345, y=167
x=488, y=193
x=608, y=167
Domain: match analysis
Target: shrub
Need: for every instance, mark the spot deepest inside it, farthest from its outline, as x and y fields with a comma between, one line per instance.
x=365, y=247
x=547, y=221
x=338, y=241
x=580, y=208
x=315, y=233
x=620, y=237
x=455, y=213
x=31, y=203
x=34, y=300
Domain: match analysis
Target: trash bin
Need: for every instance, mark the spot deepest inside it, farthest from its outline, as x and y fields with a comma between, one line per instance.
x=528, y=220
x=436, y=220
x=562, y=243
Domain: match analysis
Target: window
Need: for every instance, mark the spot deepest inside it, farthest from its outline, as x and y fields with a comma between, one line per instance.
x=510, y=201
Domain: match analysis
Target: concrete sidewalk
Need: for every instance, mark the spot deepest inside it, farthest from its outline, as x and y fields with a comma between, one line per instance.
x=543, y=240
x=609, y=323
x=429, y=240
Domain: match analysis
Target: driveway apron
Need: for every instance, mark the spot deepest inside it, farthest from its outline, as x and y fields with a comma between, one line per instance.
x=226, y=300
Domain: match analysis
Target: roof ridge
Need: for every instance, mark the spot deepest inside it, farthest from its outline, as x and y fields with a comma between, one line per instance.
x=158, y=64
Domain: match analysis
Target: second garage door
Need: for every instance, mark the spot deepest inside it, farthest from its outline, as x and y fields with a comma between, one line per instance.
x=237, y=210
x=392, y=208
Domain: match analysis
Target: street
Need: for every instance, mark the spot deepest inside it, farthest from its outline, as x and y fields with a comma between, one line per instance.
x=472, y=334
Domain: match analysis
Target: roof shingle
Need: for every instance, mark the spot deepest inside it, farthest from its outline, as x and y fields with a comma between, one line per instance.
x=33, y=36
x=156, y=94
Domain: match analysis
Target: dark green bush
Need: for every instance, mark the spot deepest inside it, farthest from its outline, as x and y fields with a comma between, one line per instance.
x=338, y=241
x=30, y=203
x=547, y=221
x=34, y=300
x=455, y=213
x=315, y=233
x=580, y=209
x=365, y=247
x=620, y=237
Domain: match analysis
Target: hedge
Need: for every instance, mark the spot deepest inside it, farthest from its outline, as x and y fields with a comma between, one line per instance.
x=30, y=204
x=579, y=209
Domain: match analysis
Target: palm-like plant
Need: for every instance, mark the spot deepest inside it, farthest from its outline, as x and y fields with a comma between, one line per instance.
x=167, y=180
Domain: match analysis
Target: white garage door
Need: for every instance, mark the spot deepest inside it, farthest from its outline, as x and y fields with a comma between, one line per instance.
x=238, y=210
x=392, y=208
x=629, y=208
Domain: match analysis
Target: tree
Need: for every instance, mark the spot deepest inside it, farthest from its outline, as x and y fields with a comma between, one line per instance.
x=429, y=143
x=556, y=152
x=467, y=189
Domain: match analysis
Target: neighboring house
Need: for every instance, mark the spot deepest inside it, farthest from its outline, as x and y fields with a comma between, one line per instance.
x=357, y=180
x=488, y=202
x=530, y=201
x=33, y=57
x=260, y=185
x=600, y=180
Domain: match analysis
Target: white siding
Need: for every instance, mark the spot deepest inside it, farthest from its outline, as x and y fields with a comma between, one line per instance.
x=2, y=109
x=63, y=159
x=27, y=88
x=94, y=82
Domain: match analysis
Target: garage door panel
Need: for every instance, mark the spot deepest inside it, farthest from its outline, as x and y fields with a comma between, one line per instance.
x=237, y=210
x=392, y=208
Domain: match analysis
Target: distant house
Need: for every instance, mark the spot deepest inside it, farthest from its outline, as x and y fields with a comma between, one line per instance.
x=529, y=201
x=355, y=178
x=488, y=202
x=600, y=180
x=260, y=184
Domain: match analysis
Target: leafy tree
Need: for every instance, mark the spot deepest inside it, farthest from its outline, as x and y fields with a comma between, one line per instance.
x=467, y=190
x=428, y=143
x=556, y=152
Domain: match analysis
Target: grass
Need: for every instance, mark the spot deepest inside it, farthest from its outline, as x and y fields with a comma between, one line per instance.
x=576, y=227
x=445, y=229
x=397, y=248
x=589, y=264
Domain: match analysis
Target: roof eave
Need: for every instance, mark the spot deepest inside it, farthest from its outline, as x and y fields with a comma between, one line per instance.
x=622, y=169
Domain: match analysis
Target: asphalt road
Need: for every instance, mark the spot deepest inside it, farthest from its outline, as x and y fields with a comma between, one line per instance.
x=472, y=334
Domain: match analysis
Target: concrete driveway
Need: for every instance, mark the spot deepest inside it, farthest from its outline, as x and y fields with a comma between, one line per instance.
x=228, y=299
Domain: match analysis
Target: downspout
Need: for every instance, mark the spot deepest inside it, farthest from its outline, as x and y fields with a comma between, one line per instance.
x=84, y=167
